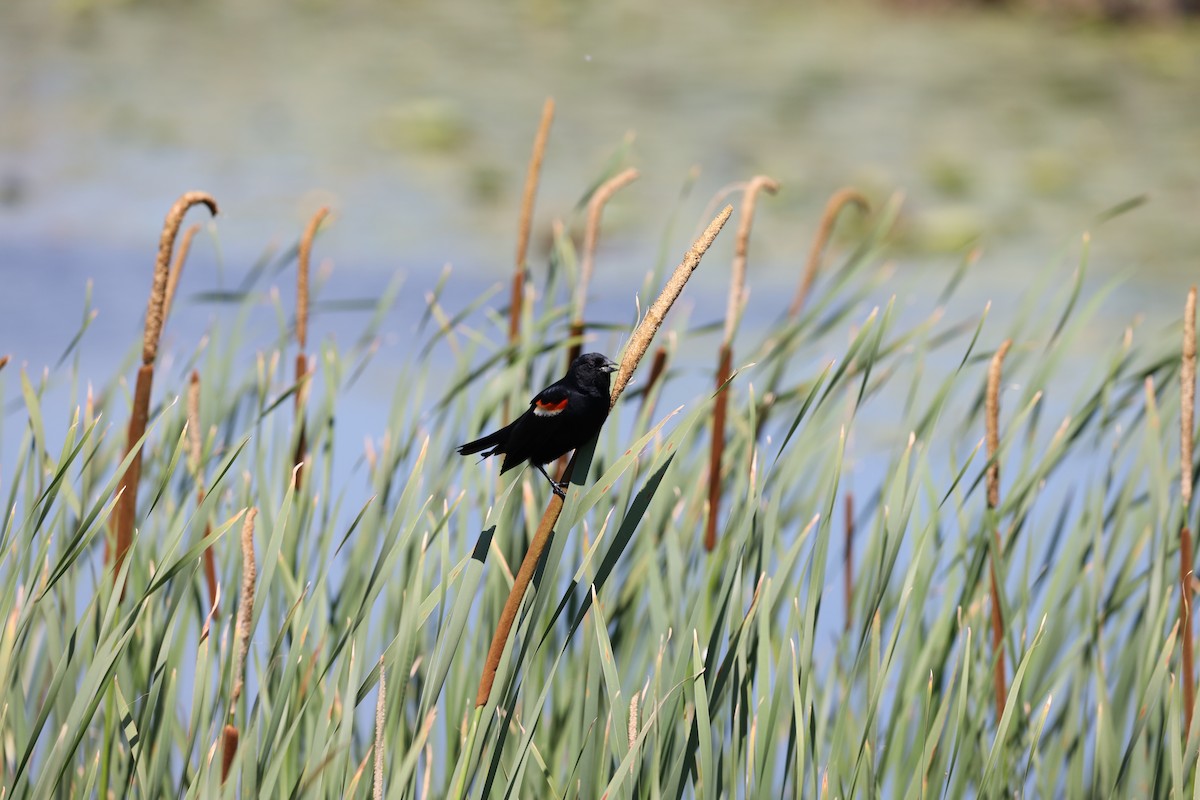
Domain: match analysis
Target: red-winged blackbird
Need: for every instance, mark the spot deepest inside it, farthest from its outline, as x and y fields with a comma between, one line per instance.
x=561, y=417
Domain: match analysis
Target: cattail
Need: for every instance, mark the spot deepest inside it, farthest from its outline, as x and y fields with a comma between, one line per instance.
x=155, y=315
x=241, y=639
x=526, y=220
x=1187, y=391
x=992, y=412
x=841, y=198
x=737, y=297
x=380, y=718
x=302, y=306
x=591, y=233
x=639, y=342
x=4, y=361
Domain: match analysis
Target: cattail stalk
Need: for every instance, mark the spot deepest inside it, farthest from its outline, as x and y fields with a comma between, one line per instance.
x=126, y=509
x=526, y=221
x=241, y=640
x=591, y=234
x=657, y=367
x=737, y=296
x=195, y=450
x=992, y=412
x=1187, y=386
x=840, y=199
x=302, y=306
x=639, y=342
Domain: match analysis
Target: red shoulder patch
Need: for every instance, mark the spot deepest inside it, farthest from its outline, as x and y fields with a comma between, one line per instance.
x=545, y=409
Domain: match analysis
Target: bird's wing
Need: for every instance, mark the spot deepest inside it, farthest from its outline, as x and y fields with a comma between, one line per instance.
x=551, y=401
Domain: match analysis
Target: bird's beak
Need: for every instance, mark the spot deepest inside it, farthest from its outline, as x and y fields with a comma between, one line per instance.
x=611, y=366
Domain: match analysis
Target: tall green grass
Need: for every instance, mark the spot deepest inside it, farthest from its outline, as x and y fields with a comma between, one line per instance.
x=640, y=665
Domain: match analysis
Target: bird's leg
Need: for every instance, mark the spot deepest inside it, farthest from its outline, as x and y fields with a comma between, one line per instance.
x=559, y=488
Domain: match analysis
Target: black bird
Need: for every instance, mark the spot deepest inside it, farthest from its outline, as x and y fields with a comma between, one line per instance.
x=561, y=417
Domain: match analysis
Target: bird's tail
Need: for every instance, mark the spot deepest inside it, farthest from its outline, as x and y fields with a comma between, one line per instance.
x=492, y=440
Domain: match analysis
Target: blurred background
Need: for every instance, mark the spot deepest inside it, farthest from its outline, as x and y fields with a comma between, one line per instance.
x=1012, y=127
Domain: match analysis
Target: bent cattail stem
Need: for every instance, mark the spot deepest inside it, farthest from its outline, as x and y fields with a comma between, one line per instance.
x=841, y=198
x=737, y=280
x=526, y=220
x=639, y=342
x=992, y=412
x=1187, y=387
x=195, y=449
x=590, y=235
x=737, y=295
x=155, y=309
x=380, y=719
x=127, y=488
x=185, y=246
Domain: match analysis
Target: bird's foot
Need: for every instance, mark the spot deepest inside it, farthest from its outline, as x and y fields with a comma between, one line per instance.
x=560, y=488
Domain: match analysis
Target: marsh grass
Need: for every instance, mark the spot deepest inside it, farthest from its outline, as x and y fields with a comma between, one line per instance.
x=636, y=665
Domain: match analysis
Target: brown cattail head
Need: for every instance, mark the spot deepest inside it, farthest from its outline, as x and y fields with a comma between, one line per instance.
x=737, y=280
x=229, y=746
x=155, y=310
x=4, y=361
x=841, y=198
x=302, y=272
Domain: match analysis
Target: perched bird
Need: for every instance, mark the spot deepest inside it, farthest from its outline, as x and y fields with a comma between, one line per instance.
x=561, y=417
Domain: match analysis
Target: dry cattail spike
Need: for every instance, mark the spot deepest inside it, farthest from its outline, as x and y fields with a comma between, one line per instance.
x=1187, y=412
x=181, y=254
x=841, y=198
x=302, y=272
x=591, y=234
x=992, y=413
x=526, y=220
x=127, y=488
x=4, y=361
x=737, y=280
x=158, y=293
x=245, y=608
x=737, y=295
x=639, y=342
x=380, y=719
